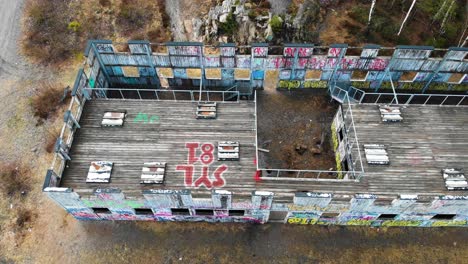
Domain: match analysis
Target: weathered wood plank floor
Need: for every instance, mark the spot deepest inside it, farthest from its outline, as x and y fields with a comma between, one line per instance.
x=429, y=138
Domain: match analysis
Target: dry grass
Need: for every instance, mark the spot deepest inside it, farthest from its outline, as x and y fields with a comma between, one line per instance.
x=15, y=180
x=47, y=38
x=50, y=140
x=48, y=100
x=57, y=30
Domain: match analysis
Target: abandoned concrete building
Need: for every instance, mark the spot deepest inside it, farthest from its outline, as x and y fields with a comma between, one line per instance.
x=180, y=132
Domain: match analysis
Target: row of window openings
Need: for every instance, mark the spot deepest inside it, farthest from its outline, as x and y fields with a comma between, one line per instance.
x=209, y=212
x=356, y=75
x=174, y=211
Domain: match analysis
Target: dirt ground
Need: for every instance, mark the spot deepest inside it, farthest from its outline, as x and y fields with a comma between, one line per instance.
x=52, y=236
x=296, y=129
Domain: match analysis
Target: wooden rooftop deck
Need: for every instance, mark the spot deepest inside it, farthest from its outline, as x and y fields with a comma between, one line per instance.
x=162, y=140
x=429, y=138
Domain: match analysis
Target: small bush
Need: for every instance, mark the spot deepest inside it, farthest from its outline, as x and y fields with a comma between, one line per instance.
x=47, y=101
x=50, y=141
x=74, y=26
x=14, y=179
x=252, y=14
x=292, y=9
x=264, y=4
x=47, y=37
x=230, y=26
x=133, y=15
x=360, y=14
x=105, y=3
x=23, y=216
x=276, y=24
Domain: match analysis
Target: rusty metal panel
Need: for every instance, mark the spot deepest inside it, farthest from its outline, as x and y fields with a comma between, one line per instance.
x=212, y=61
x=243, y=61
x=161, y=60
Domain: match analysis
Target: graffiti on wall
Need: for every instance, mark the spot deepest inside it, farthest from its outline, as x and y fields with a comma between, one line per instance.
x=202, y=154
x=181, y=57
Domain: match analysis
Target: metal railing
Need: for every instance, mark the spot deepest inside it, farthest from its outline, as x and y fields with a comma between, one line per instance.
x=353, y=175
x=161, y=95
x=66, y=136
x=415, y=99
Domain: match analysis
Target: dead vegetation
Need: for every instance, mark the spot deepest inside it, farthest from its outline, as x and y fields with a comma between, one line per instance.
x=15, y=180
x=57, y=30
x=48, y=100
x=50, y=140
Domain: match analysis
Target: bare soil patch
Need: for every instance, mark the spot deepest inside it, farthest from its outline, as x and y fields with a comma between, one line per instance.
x=295, y=127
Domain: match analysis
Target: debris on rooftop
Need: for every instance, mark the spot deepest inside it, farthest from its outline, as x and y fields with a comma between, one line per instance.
x=100, y=171
x=206, y=110
x=455, y=179
x=390, y=113
x=113, y=119
x=153, y=172
x=228, y=150
x=376, y=154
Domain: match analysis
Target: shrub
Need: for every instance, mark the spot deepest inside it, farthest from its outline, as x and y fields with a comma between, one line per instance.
x=74, y=26
x=360, y=14
x=132, y=15
x=47, y=101
x=252, y=14
x=276, y=24
x=50, y=141
x=14, y=179
x=264, y=4
x=230, y=26
x=47, y=37
x=105, y=3
x=23, y=216
x=292, y=9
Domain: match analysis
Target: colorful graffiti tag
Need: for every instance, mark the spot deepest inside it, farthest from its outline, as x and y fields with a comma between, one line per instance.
x=206, y=158
x=145, y=118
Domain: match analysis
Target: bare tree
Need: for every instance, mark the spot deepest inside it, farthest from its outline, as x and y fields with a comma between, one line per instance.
x=406, y=17
x=371, y=11
x=440, y=11
x=464, y=31
x=446, y=16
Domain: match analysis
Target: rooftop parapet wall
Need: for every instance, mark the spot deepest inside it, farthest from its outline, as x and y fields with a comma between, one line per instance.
x=261, y=66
